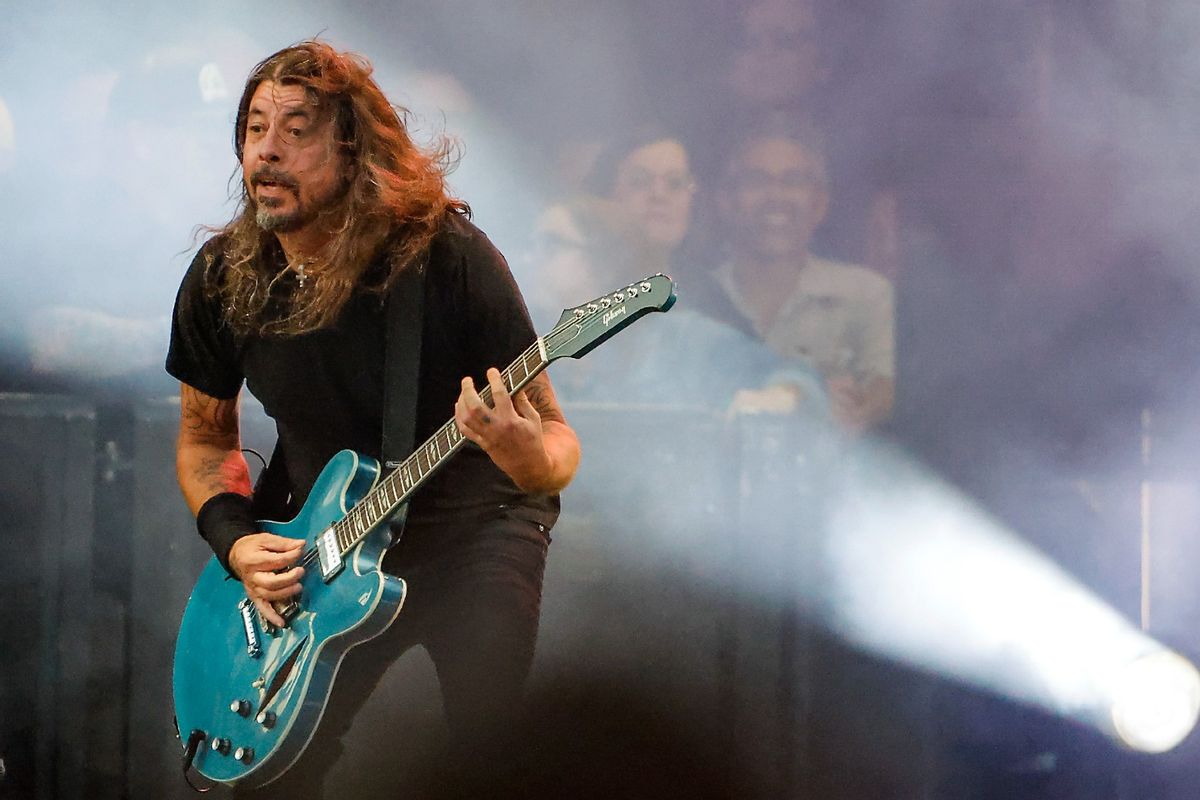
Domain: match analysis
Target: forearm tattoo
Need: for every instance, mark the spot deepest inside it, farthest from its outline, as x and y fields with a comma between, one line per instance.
x=541, y=396
x=213, y=423
x=223, y=474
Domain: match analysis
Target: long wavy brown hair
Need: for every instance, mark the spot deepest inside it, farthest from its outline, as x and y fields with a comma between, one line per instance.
x=395, y=194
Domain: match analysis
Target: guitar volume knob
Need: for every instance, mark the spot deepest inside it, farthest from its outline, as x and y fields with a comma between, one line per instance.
x=266, y=719
x=244, y=754
x=240, y=707
x=220, y=745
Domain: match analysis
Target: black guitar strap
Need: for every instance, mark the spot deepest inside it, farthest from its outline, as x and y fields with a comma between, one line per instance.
x=402, y=363
x=401, y=373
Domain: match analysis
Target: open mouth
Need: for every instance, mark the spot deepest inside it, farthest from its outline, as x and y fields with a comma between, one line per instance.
x=271, y=181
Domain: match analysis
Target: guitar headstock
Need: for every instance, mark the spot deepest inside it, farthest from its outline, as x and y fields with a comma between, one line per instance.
x=581, y=329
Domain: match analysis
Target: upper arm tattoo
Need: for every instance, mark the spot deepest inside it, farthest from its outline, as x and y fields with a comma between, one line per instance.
x=207, y=419
x=541, y=396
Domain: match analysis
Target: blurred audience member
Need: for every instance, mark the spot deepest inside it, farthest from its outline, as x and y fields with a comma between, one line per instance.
x=837, y=316
x=779, y=61
x=630, y=221
x=787, y=60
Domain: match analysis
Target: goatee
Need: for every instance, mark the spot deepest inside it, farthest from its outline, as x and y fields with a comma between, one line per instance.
x=272, y=222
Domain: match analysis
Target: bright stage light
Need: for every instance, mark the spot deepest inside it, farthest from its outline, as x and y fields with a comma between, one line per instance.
x=1156, y=701
x=916, y=572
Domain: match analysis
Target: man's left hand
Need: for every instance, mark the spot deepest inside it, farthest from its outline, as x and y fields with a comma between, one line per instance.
x=510, y=431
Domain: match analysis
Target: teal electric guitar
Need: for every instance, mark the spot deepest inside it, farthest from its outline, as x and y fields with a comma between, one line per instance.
x=248, y=695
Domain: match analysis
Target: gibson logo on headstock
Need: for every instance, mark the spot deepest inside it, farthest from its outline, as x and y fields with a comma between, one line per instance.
x=609, y=316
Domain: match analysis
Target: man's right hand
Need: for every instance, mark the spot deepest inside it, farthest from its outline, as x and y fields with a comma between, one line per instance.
x=262, y=561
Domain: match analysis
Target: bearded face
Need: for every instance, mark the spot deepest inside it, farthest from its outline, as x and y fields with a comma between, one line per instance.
x=291, y=163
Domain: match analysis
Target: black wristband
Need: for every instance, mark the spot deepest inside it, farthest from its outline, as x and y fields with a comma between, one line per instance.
x=222, y=520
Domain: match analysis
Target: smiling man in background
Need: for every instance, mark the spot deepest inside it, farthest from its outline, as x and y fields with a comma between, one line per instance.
x=838, y=317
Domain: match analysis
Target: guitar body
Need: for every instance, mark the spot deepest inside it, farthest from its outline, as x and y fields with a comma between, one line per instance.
x=292, y=672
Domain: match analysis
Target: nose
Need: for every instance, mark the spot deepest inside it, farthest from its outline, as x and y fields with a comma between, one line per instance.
x=269, y=149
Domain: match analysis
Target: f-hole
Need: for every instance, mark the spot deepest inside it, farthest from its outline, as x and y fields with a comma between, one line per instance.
x=281, y=675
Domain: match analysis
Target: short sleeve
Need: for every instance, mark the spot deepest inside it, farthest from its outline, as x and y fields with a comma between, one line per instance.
x=203, y=352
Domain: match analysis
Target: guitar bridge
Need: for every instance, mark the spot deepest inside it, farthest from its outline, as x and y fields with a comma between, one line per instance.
x=246, y=608
x=329, y=553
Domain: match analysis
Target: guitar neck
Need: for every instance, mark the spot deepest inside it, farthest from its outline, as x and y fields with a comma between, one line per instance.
x=578, y=331
x=398, y=487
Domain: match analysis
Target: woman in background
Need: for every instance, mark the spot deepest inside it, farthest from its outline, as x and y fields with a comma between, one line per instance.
x=629, y=221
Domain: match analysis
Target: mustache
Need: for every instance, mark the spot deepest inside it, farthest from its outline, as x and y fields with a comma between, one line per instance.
x=276, y=176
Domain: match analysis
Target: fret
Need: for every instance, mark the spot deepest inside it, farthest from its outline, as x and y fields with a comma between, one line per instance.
x=437, y=452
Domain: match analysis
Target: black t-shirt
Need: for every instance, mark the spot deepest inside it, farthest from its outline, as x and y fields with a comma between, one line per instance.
x=324, y=389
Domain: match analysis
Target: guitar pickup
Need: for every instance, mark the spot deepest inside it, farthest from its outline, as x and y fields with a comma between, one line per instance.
x=329, y=553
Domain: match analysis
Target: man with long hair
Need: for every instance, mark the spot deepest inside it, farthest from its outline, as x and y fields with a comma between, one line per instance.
x=289, y=298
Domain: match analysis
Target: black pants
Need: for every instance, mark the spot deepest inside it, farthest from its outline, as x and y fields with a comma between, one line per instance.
x=474, y=594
